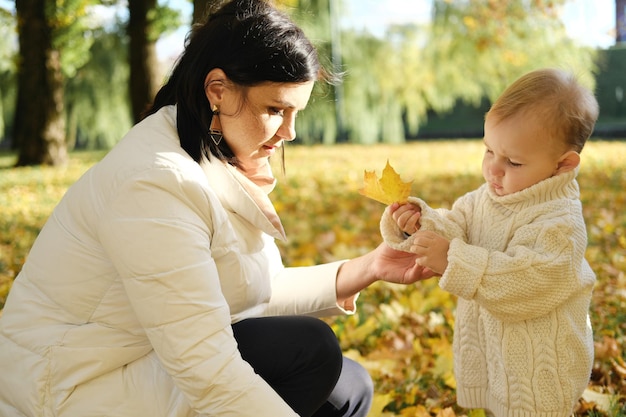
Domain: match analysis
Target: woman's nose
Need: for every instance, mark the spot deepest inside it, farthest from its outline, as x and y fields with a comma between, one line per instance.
x=287, y=130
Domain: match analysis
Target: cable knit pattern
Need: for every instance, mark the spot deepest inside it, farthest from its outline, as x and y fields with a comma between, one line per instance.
x=523, y=343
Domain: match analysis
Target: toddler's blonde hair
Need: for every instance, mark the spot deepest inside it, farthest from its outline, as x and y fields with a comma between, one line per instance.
x=555, y=99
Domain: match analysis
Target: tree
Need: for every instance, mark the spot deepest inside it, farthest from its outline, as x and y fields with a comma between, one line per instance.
x=147, y=22
x=39, y=127
x=53, y=43
x=96, y=97
x=495, y=42
x=144, y=81
x=322, y=121
x=471, y=50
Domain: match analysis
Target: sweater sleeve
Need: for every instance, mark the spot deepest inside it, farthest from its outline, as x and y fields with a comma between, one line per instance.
x=158, y=234
x=541, y=268
x=450, y=223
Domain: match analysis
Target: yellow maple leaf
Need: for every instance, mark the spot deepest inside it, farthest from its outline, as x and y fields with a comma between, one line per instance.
x=388, y=189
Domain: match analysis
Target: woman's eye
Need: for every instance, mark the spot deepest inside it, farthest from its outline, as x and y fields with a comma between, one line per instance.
x=276, y=111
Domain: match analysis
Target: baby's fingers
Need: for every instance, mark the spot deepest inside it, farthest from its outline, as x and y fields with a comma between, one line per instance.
x=407, y=217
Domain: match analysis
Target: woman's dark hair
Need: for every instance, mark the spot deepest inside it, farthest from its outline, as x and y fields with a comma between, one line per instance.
x=253, y=43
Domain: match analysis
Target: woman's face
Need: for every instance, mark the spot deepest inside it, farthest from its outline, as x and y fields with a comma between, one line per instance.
x=256, y=121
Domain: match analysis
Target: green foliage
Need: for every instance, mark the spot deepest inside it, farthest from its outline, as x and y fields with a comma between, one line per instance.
x=96, y=98
x=373, y=112
x=402, y=335
x=318, y=124
x=7, y=41
x=8, y=89
x=470, y=51
x=71, y=32
x=164, y=20
x=490, y=42
x=94, y=63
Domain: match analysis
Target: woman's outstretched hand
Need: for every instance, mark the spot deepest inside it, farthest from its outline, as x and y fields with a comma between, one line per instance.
x=381, y=264
x=397, y=266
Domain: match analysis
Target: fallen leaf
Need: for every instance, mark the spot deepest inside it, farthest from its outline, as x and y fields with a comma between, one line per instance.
x=602, y=401
x=619, y=369
x=607, y=348
x=446, y=412
x=388, y=189
x=379, y=402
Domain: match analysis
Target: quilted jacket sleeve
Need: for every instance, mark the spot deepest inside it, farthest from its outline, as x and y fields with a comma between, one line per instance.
x=158, y=232
x=309, y=290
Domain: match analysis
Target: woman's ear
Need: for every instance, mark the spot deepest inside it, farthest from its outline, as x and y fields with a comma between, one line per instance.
x=567, y=162
x=214, y=85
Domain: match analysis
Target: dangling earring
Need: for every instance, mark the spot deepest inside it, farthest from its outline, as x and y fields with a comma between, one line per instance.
x=215, y=130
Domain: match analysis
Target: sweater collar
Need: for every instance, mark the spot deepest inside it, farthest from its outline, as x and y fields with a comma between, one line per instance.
x=563, y=186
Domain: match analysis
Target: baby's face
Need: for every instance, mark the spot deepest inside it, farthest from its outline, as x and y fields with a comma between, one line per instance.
x=518, y=154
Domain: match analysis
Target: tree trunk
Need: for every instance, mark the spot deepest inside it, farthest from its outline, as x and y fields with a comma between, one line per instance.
x=144, y=65
x=39, y=128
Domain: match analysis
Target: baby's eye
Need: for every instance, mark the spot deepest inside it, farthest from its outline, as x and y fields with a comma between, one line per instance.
x=514, y=164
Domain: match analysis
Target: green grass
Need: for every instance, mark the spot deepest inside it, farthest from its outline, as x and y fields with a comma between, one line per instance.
x=401, y=334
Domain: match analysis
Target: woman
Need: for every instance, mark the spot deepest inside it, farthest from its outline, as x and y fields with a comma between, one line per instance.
x=156, y=288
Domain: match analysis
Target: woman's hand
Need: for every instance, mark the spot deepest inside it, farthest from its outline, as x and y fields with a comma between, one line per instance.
x=397, y=266
x=381, y=264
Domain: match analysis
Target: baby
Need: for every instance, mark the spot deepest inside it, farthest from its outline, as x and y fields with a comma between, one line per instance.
x=512, y=251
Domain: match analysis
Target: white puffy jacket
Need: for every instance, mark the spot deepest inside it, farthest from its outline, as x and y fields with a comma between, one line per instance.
x=124, y=305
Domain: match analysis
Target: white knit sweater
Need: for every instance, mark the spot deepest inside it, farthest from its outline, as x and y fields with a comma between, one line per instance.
x=523, y=342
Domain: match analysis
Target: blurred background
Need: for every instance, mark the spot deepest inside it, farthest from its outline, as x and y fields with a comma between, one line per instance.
x=76, y=74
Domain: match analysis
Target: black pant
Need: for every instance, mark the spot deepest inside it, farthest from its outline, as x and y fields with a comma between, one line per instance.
x=301, y=359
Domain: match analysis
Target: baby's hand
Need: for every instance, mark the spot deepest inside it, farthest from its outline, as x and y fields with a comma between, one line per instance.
x=407, y=216
x=432, y=251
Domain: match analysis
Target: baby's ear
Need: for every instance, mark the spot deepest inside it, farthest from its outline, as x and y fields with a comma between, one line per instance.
x=567, y=162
